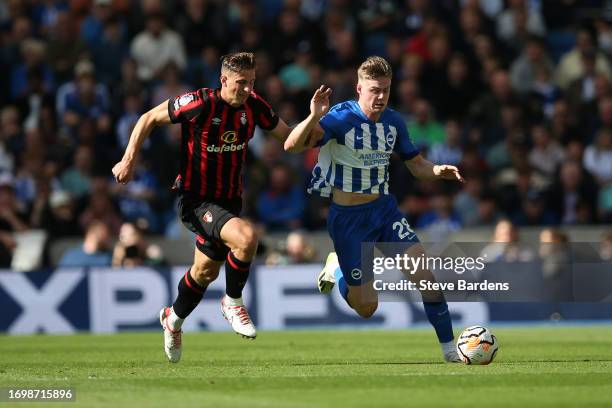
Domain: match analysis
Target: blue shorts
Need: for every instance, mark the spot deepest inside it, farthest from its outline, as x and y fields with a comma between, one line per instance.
x=377, y=221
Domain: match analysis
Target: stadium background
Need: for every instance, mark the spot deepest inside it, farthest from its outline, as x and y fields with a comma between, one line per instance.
x=516, y=93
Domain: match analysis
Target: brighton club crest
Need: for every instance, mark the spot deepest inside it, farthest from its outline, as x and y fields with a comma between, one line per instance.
x=207, y=217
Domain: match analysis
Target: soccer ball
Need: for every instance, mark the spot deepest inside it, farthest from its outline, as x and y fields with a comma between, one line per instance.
x=477, y=345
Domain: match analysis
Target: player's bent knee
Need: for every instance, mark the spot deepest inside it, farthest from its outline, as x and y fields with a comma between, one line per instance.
x=204, y=275
x=366, y=310
x=248, y=239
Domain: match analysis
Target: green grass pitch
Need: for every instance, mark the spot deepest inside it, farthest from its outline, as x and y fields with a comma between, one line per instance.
x=535, y=366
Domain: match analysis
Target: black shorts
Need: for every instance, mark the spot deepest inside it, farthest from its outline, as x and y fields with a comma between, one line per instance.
x=206, y=218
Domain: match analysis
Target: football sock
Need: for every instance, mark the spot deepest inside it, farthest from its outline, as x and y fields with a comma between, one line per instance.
x=174, y=321
x=230, y=301
x=190, y=293
x=341, y=282
x=439, y=317
x=236, y=275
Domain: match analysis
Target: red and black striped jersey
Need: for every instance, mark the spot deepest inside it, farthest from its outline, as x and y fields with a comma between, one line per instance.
x=214, y=138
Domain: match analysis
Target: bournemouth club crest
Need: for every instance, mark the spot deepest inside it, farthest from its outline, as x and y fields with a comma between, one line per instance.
x=207, y=217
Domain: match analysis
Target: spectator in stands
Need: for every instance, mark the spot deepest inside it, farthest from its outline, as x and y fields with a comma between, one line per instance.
x=466, y=201
x=581, y=91
x=132, y=109
x=295, y=250
x=506, y=245
x=441, y=220
x=132, y=250
x=100, y=207
x=281, y=205
x=487, y=110
x=34, y=99
x=33, y=59
x=571, y=66
x=13, y=216
x=76, y=180
x=204, y=18
x=109, y=50
x=12, y=219
x=64, y=50
x=546, y=154
x=519, y=21
x=155, y=47
x=94, y=250
x=459, y=90
x=11, y=138
x=449, y=151
x=533, y=211
x=524, y=69
x=137, y=199
x=424, y=130
x=598, y=157
x=555, y=258
x=573, y=197
x=84, y=99
x=563, y=124
x=170, y=86
x=488, y=212
x=54, y=211
x=605, y=247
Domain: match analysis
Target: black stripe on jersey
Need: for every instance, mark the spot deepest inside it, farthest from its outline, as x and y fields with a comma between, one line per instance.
x=199, y=152
x=214, y=139
x=229, y=164
x=250, y=129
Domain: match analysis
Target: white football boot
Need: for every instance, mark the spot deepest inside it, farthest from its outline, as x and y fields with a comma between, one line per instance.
x=172, y=338
x=452, y=357
x=237, y=315
x=449, y=351
x=326, y=279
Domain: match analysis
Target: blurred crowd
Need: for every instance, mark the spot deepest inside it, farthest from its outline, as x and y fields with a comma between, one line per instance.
x=517, y=93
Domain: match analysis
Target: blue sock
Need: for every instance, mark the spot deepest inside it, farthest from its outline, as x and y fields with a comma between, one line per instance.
x=342, y=286
x=439, y=317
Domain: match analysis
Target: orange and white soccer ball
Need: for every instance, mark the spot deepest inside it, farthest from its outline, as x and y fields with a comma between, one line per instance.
x=477, y=345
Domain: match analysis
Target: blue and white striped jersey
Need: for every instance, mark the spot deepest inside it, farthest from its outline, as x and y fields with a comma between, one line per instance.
x=355, y=151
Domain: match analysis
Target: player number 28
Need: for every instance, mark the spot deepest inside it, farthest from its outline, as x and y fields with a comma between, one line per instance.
x=403, y=228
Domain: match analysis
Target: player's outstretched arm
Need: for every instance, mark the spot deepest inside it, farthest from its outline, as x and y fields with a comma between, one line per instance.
x=158, y=116
x=308, y=131
x=423, y=169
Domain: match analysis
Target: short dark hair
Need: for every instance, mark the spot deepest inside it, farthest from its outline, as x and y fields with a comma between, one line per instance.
x=238, y=61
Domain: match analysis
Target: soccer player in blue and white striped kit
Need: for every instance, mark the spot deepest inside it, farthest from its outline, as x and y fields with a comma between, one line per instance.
x=357, y=139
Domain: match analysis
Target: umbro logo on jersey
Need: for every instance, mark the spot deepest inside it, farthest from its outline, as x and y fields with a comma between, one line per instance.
x=243, y=118
x=216, y=121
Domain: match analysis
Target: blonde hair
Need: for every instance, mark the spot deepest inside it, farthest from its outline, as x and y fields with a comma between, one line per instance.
x=374, y=67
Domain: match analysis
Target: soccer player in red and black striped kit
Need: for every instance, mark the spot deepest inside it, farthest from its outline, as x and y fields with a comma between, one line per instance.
x=216, y=127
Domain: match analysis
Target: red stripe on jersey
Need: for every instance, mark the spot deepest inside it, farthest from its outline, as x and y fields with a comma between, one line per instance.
x=264, y=120
x=250, y=132
x=230, y=192
x=219, y=180
x=203, y=142
x=189, y=157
